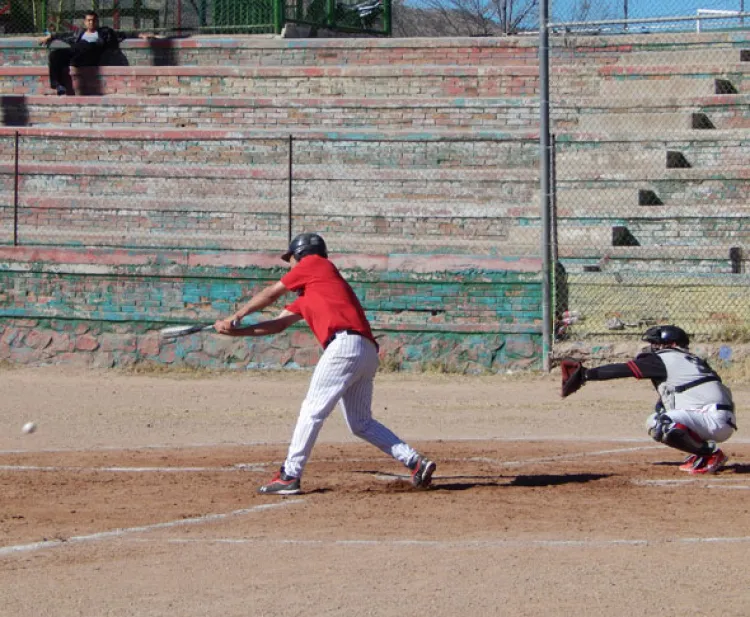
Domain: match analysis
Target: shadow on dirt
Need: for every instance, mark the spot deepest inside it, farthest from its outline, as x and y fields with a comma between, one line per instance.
x=550, y=480
x=737, y=468
x=439, y=484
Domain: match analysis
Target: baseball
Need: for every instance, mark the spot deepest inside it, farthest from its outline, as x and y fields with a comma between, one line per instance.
x=29, y=428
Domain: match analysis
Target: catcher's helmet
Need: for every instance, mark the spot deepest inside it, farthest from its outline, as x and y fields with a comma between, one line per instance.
x=660, y=335
x=306, y=244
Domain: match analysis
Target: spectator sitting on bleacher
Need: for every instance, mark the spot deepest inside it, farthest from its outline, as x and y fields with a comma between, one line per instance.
x=86, y=49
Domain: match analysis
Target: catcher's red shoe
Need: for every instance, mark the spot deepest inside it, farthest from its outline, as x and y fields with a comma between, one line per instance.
x=691, y=462
x=711, y=464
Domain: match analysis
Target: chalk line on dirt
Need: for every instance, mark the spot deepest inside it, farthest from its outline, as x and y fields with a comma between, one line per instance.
x=116, y=533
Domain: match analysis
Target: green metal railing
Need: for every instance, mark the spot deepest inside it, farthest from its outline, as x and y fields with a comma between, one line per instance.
x=33, y=17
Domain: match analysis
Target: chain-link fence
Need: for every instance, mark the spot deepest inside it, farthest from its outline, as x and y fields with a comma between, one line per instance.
x=651, y=188
x=459, y=196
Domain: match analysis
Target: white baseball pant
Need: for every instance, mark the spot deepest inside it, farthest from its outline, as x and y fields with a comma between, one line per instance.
x=345, y=373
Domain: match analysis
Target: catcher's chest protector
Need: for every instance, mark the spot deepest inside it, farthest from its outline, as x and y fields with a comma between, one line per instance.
x=691, y=382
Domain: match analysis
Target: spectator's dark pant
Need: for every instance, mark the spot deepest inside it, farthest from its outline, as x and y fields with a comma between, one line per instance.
x=59, y=66
x=61, y=59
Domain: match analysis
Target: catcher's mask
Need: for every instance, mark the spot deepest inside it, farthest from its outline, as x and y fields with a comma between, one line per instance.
x=667, y=335
x=306, y=244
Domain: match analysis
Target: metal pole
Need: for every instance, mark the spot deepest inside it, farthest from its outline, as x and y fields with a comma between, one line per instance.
x=289, y=189
x=544, y=139
x=15, y=195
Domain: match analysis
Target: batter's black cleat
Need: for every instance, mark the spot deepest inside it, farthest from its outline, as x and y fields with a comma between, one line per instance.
x=421, y=472
x=281, y=484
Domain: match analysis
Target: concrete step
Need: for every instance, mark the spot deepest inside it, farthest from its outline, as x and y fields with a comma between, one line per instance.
x=373, y=207
x=653, y=174
x=655, y=81
x=607, y=49
x=291, y=114
x=258, y=50
x=228, y=233
x=121, y=188
x=385, y=80
x=358, y=157
x=717, y=55
x=301, y=172
x=725, y=112
x=632, y=194
x=610, y=258
x=282, y=81
x=621, y=215
x=727, y=152
x=231, y=50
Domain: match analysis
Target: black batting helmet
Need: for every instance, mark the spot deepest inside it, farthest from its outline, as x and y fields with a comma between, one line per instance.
x=306, y=244
x=661, y=335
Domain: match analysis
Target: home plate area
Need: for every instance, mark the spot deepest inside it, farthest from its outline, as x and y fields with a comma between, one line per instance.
x=545, y=490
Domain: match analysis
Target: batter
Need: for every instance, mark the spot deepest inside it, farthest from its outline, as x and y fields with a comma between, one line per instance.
x=346, y=370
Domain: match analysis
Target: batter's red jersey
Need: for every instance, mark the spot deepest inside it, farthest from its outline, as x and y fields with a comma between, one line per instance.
x=326, y=302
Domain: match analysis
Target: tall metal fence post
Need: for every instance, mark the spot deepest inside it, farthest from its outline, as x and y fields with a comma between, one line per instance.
x=278, y=15
x=15, y=194
x=289, y=188
x=544, y=156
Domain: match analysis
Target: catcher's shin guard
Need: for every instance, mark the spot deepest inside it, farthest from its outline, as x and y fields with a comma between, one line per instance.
x=677, y=436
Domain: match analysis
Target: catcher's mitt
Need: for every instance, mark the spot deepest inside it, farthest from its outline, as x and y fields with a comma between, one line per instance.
x=573, y=376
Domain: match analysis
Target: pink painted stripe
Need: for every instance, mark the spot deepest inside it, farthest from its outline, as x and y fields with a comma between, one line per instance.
x=275, y=102
x=148, y=133
x=289, y=71
x=404, y=263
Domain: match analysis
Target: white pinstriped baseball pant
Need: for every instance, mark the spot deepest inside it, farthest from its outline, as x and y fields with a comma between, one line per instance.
x=345, y=374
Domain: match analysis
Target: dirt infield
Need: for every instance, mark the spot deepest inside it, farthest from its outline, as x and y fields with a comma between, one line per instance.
x=136, y=496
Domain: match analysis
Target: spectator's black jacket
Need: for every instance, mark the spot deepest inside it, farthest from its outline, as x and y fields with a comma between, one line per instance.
x=90, y=54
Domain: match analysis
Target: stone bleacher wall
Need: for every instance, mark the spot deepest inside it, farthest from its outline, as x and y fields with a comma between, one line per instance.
x=102, y=309
x=188, y=151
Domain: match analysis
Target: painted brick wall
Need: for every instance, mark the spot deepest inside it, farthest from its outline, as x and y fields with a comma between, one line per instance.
x=102, y=308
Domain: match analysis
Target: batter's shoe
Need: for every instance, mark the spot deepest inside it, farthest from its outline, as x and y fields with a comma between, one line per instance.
x=281, y=484
x=421, y=472
x=691, y=462
x=711, y=464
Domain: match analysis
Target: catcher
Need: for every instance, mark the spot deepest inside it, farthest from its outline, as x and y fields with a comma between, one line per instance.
x=695, y=411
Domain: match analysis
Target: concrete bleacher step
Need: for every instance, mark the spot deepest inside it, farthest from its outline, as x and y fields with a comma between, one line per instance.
x=660, y=81
x=629, y=194
x=387, y=80
x=680, y=209
x=278, y=205
x=706, y=150
x=682, y=81
x=282, y=81
x=264, y=50
x=722, y=112
x=292, y=114
x=501, y=238
x=609, y=256
x=311, y=158
x=652, y=174
x=255, y=50
x=716, y=55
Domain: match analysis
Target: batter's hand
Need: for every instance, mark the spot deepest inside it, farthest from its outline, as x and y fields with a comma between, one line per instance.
x=224, y=326
x=573, y=376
